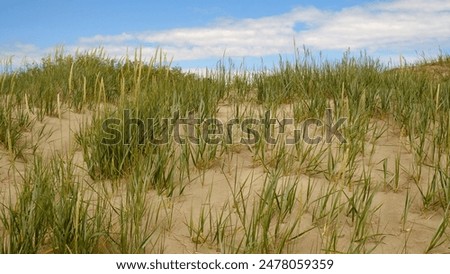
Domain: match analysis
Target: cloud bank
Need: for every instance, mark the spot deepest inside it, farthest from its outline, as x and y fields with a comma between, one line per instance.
x=392, y=27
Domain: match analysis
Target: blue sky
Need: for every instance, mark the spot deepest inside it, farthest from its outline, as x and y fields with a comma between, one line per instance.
x=198, y=33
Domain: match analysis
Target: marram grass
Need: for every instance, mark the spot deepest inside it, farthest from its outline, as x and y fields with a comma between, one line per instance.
x=137, y=196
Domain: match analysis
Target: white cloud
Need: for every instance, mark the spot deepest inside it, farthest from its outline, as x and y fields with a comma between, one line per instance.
x=21, y=54
x=107, y=38
x=394, y=26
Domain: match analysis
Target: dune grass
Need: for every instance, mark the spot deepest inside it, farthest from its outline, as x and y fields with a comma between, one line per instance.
x=122, y=197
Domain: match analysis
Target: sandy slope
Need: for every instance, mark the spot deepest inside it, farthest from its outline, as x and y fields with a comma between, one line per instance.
x=213, y=187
